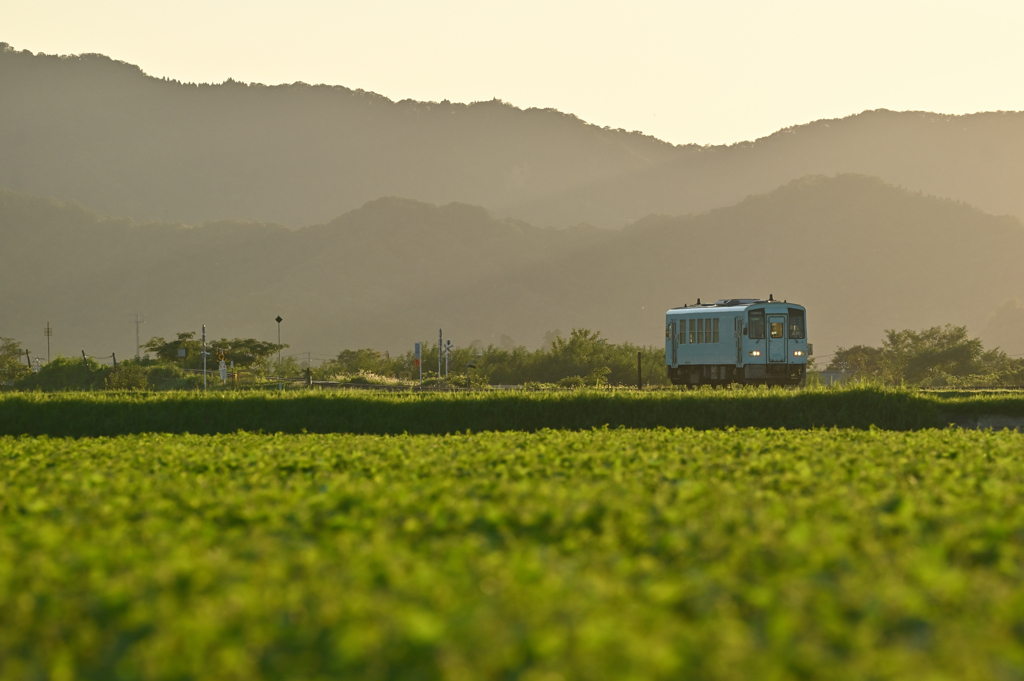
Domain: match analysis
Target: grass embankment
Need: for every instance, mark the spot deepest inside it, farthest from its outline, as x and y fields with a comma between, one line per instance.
x=659, y=554
x=108, y=414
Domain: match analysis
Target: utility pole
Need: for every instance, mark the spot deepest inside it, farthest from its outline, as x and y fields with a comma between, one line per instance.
x=439, y=342
x=48, y=332
x=136, y=319
x=280, y=383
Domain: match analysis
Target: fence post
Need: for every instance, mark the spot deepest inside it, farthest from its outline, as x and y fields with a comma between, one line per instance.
x=639, y=371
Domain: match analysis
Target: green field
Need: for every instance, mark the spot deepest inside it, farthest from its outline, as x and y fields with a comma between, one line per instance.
x=79, y=414
x=601, y=554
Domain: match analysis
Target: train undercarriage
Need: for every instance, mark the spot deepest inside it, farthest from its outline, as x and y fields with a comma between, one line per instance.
x=726, y=374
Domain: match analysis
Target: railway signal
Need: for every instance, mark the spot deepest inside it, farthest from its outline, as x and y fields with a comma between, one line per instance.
x=416, y=361
x=280, y=383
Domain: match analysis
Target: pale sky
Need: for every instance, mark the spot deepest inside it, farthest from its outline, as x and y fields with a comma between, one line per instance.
x=706, y=72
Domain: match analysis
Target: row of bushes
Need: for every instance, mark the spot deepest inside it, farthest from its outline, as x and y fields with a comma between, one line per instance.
x=67, y=373
x=585, y=358
x=80, y=414
x=941, y=356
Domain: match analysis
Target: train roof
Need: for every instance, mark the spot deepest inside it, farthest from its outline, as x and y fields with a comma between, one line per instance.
x=731, y=305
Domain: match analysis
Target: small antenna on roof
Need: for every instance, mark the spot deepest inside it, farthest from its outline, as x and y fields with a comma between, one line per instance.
x=771, y=298
x=698, y=301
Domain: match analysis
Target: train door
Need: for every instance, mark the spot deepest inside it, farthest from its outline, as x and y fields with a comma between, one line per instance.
x=777, y=338
x=738, y=332
x=675, y=343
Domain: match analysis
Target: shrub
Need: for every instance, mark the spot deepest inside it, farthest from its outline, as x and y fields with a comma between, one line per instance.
x=67, y=373
x=11, y=366
x=127, y=376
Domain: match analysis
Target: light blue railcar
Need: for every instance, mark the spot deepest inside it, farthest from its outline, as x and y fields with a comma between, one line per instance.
x=738, y=340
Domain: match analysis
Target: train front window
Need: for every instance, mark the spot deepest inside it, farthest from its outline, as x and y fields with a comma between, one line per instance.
x=682, y=331
x=778, y=330
x=796, y=323
x=755, y=324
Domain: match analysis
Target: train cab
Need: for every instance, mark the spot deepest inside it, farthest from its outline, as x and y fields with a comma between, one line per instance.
x=737, y=340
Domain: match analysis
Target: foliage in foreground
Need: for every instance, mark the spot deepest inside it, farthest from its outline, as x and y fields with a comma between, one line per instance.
x=316, y=411
x=597, y=555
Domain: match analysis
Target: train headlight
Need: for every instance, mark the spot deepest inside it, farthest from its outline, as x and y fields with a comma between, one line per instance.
x=798, y=353
x=755, y=353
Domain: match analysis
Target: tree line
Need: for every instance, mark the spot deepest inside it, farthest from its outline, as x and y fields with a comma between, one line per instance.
x=583, y=358
x=935, y=357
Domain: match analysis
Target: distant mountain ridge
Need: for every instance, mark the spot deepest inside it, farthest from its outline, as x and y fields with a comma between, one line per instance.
x=976, y=158
x=862, y=255
x=101, y=132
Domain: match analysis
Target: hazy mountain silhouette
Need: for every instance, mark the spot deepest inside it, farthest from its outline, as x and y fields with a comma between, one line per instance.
x=101, y=132
x=862, y=255
x=977, y=158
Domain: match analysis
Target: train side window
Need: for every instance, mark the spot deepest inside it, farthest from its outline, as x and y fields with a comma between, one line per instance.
x=707, y=331
x=682, y=331
x=714, y=326
x=693, y=330
x=755, y=324
x=700, y=330
x=778, y=329
x=796, y=324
